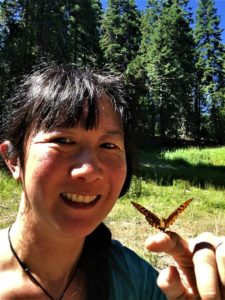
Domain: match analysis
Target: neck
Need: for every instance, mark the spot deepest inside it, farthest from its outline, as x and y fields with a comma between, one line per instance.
x=44, y=252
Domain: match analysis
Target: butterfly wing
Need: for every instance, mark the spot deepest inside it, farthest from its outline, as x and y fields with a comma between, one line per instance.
x=152, y=219
x=175, y=214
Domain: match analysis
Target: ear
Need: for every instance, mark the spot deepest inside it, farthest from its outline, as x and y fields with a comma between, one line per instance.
x=11, y=159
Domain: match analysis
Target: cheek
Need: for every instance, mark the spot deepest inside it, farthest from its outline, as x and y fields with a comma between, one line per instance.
x=120, y=180
x=39, y=164
x=118, y=172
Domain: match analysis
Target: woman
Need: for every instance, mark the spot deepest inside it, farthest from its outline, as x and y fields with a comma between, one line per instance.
x=68, y=139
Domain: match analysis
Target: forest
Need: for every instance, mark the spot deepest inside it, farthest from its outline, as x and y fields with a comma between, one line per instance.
x=173, y=63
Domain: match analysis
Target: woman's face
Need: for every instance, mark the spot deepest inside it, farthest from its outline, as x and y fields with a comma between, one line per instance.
x=72, y=177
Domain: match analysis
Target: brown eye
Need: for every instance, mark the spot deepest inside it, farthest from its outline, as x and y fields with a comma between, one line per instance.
x=62, y=140
x=108, y=146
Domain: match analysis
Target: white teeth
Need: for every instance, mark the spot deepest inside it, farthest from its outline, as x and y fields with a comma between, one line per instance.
x=79, y=198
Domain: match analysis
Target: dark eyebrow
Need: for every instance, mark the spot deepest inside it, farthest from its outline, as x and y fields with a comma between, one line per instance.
x=106, y=132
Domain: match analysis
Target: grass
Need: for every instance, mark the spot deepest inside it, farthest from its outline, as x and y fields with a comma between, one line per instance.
x=197, y=156
x=205, y=213
x=166, y=179
x=9, y=199
x=200, y=167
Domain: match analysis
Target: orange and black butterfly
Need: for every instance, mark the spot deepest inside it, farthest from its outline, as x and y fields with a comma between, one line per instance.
x=155, y=221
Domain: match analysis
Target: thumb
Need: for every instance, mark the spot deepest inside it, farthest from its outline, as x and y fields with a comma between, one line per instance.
x=170, y=283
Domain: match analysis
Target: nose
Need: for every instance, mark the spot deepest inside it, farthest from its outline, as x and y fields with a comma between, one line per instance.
x=87, y=168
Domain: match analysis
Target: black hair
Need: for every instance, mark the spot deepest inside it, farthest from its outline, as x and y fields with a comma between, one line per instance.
x=95, y=263
x=54, y=97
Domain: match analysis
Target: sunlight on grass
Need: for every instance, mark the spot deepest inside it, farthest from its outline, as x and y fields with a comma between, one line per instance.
x=199, y=167
x=196, y=156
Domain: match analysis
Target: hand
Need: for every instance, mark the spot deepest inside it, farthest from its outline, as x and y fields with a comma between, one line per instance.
x=199, y=271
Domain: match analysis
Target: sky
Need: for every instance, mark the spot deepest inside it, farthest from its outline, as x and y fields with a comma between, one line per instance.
x=219, y=4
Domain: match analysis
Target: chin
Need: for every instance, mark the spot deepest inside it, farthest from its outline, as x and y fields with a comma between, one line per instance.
x=77, y=229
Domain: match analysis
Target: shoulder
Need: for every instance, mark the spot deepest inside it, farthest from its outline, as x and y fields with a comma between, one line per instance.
x=133, y=276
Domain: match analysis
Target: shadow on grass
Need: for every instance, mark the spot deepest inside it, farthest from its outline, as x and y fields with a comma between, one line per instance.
x=164, y=171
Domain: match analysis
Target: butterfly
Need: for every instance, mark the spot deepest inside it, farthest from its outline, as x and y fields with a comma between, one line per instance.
x=161, y=223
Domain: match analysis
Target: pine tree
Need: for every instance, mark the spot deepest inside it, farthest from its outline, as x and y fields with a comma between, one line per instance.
x=210, y=72
x=138, y=67
x=39, y=30
x=13, y=50
x=84, y=19
x=120, y=34
x=149, y=19
x=34, y=30
x=169, y=64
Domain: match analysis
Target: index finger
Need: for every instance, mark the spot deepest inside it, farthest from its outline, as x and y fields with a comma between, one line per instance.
x=172, y=244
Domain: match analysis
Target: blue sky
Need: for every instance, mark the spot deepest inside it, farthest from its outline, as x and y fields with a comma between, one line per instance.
x=220, y=5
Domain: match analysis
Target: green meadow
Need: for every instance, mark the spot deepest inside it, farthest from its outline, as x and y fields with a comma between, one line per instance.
x=166, y=179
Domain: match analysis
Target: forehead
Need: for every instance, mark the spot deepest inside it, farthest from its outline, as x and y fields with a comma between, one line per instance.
x=106, y=107
x=109, y=124
x=104, y=110
x=108, y=117
x=104, y=116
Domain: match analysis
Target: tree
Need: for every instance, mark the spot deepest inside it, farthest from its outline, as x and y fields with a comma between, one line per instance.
x=64, y=31
x=83, y=23
x=32, y=31
x=170, y=69
x=139, y=71
x=120, y=34
x=210, y=72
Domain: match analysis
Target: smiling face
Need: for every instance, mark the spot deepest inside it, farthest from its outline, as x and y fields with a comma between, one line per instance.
x=72, y=177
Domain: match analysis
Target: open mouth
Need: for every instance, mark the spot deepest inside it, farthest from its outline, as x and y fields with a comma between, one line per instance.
x=79, y=200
